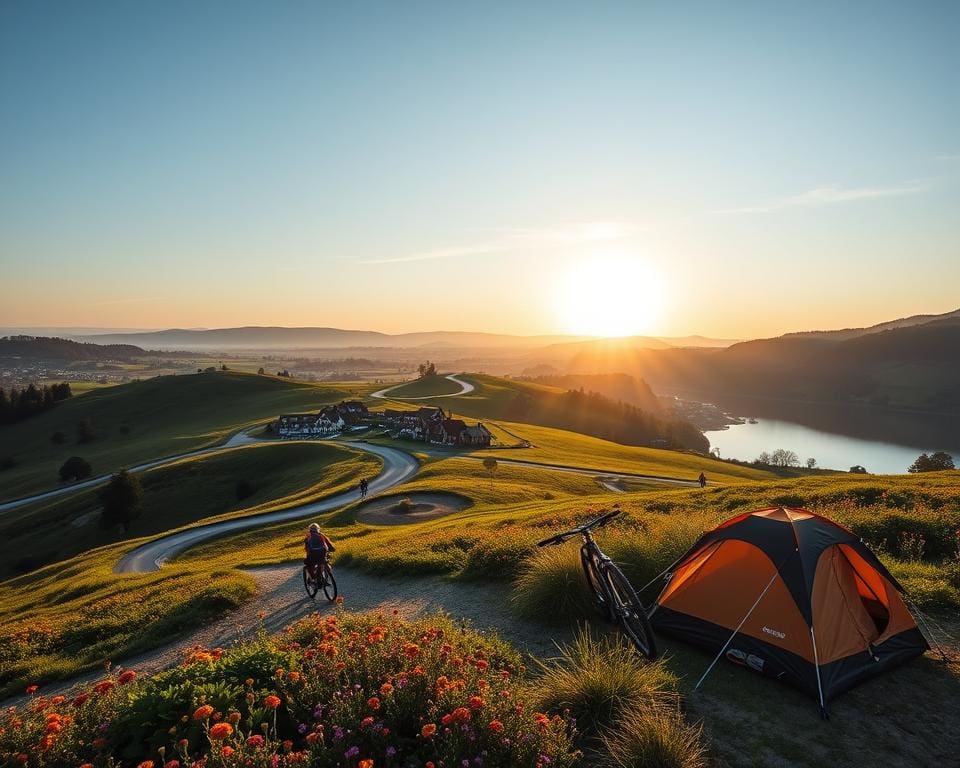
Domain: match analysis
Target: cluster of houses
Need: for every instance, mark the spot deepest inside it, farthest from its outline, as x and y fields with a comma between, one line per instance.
x=428, y=425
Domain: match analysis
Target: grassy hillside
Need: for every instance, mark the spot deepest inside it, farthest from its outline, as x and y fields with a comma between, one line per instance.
x=571, y=449
x=533, y=403
x=279, y=474
x=149, y=419
x=429, y=386
x=68, y=617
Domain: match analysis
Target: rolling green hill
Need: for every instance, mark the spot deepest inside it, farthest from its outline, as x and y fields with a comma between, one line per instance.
x=193, y=489
x=574, y=410
x=150, y=419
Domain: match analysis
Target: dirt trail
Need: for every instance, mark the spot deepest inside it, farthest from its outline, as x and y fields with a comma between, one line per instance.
x=283, y=601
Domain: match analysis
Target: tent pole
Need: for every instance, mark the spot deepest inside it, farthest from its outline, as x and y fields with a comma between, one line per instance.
x=930, y=638
x=816, y=664
x=667, y=569
x=742, y=622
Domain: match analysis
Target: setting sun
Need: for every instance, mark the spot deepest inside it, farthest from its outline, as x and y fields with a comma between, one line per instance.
x=609, y=296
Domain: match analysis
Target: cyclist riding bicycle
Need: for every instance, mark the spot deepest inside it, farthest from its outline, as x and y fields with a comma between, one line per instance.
x=316, y=547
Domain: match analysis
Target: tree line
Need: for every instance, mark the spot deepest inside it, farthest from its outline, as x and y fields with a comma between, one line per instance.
x=19, y=404
x=591, y=413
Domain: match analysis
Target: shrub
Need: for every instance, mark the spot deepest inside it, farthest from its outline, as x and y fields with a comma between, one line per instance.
x=244, y=489
x=601, y=680
x=74, y=468
x=552, y=588
x=654, y=736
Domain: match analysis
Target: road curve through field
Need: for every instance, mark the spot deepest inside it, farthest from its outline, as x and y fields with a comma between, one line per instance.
x=465, y=388
x=605, y=477
x=398, y=466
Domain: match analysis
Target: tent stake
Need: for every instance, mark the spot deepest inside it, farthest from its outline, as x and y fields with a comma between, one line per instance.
x=742, y=622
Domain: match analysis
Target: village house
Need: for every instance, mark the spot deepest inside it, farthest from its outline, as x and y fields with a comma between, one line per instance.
x=352, y=411
x=306, y=425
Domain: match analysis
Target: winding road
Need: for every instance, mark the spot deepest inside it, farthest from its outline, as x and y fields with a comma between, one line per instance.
x=398, y=466
x=465, y=388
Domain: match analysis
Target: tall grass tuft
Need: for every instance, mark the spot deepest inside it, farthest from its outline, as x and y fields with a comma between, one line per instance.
x=654, y=736
x=599, y=681
x=553, y=589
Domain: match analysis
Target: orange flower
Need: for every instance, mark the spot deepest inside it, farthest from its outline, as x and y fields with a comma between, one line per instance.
x=126, y=677
x=202, y=713
x=86, y=765
x=476, y=702
x=220, y=731
x=272, y=701
x=373, y=702
x=226, y=751
x=312, y=737
x=365, y=764
x=386, y=688
x=428, y=730
x=172, y=764
x=482, y=664
x=57, y=700
x=104, y=686
x=461, y=715
x=234, y=718
x=411, y=649
x=146, y=764
x=446, y=719
x=340, y=600
x=366, y=722
x=495, y=726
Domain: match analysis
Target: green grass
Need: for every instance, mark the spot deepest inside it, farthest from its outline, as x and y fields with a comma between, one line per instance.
x=430, y=386
x=193, y=489
x=572, y=449
x=68, y=618
x=149, y=419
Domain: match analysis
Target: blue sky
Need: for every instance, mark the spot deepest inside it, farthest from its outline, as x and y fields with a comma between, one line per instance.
x=767, y=166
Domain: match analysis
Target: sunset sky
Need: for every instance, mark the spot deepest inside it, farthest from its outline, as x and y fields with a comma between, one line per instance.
x=730, y=169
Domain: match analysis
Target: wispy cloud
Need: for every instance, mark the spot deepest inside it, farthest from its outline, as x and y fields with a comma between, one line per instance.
x=832, y=194
x=522, y=239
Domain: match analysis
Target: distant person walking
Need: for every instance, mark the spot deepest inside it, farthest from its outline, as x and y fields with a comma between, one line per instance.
x=363, y=487
x=702, y=480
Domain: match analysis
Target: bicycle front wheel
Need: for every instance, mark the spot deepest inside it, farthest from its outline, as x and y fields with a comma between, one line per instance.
x=329, y=583
x=630, y=612
x=309, y=584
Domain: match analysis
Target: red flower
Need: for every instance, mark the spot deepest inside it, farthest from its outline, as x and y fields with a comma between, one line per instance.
x=202, y=713
x=255, y=741
x=172, y=764
x=31, y=689
x=104, y=686
x=495, y=726
x=373, y=702
x=476, y=702
x=428, y=730
x=226, y=751
x=220, y=731
x=366, y=722
x=126, y=677
x=272, y=701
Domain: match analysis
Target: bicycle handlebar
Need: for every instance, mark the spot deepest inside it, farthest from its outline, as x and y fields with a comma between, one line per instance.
x=559, y=538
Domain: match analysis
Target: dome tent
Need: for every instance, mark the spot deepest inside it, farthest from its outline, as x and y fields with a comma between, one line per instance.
x=794, y=595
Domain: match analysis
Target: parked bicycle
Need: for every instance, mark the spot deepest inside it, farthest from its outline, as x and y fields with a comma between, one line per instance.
x=322, y=579
x=615, y=597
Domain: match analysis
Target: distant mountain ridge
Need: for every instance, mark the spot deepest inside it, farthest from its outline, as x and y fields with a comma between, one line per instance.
x=281, y=337
x=852, y=333
x=52, y=348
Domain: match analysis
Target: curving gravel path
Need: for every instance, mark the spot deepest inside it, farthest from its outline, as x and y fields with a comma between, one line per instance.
x=398, y=466
x=465, y=388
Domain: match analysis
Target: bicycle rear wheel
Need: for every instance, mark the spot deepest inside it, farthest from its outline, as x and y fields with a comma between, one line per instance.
x=329, y=583
x=593, y=581
x=309, y=583
x=630, y=611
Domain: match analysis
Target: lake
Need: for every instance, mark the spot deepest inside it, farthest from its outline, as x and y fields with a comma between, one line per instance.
x=747, y=441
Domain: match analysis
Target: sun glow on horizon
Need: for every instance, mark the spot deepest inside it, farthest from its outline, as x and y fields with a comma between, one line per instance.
x=609, y=296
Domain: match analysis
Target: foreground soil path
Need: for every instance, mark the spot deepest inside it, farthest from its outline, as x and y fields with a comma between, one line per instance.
x=282, y=601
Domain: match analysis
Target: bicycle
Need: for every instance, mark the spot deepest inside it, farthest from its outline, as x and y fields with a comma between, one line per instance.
x=312, y=584
x=615, y=597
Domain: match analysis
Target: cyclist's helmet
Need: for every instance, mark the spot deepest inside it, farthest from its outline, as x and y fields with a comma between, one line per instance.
x=314, y=528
